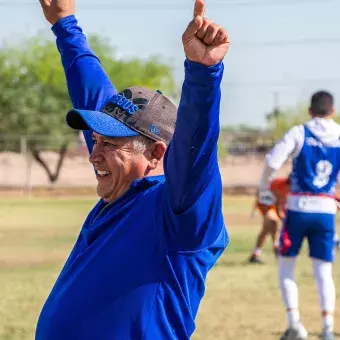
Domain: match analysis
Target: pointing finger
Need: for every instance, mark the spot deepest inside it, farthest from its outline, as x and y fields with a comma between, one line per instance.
x=199, y=8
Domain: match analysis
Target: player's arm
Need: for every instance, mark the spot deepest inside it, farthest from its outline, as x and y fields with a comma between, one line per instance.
x=289, y=145
x=193, y=181
x=88, y=84
x=337, y=196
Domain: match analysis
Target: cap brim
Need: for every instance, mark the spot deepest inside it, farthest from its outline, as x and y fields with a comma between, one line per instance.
x=98, y=122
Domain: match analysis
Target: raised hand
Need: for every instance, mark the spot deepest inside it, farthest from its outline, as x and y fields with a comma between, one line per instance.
x=204, y=41
x=54, y=10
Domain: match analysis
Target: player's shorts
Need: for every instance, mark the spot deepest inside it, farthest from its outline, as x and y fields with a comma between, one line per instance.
x=317, y=228
x=263, y=208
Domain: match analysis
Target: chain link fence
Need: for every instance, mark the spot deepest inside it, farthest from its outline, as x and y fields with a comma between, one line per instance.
x=33, y=161
x=20, y=167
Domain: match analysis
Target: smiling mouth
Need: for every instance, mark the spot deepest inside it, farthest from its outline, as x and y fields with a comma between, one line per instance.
x=103, y=173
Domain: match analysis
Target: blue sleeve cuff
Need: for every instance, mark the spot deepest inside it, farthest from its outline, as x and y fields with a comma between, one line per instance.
x=59, y=28
x=203, y=75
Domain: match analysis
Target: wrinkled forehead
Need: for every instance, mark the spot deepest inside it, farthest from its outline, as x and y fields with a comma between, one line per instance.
x=120, y=140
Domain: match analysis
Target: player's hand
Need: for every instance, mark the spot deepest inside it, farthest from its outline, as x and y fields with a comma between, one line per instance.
x=266, y=197
x=55, y=10
x=281, y=208
x=204, y=41
x=337, y=201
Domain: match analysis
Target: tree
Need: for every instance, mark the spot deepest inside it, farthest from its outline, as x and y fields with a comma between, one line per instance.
x=34, y=98
x=289, y=118
x=280, y=123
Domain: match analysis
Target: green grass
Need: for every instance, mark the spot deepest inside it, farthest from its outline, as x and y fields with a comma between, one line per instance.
x=35, y=238
x=241, y=301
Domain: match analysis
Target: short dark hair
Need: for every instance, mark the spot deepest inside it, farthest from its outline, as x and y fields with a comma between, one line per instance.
x=322, y=104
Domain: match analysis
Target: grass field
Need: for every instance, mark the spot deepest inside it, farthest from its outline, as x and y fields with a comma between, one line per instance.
x=242, y=301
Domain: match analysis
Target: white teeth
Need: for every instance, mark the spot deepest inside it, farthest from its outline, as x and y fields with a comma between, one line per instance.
x=103, y=173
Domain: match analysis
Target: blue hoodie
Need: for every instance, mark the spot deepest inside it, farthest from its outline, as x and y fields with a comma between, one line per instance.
x=138, y=268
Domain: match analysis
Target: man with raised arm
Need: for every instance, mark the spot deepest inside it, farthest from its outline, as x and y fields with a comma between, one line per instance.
x=138, y=268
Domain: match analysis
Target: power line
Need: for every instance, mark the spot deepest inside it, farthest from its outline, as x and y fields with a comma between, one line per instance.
x=278, y=43
x=273, y=3
x=271, y=43
x=296, y=82
x=173, y=6
x=230, y=3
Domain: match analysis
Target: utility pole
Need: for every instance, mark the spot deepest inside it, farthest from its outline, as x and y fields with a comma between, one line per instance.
x=276, y=111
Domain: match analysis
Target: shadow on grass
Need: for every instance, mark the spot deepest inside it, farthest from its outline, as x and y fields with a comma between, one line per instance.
x=225, y=262
x=228, y=264
x=313, y=334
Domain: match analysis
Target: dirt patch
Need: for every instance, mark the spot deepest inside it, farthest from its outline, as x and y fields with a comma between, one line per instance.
x=17, y=171
x=56, y=191
x=48, y=192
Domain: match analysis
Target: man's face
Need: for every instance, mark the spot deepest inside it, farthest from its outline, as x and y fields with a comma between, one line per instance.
x=117, y=165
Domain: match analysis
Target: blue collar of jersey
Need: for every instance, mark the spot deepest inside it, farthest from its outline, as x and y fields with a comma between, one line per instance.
x=147, y=182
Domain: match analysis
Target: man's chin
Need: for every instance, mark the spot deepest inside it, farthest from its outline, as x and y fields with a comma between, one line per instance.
x=103, y=194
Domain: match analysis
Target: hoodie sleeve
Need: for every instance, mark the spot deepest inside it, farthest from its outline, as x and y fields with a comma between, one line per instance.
x=88, y=85
x=289, y=145
x=193, y=190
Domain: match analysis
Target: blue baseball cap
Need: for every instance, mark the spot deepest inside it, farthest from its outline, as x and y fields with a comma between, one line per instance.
x=132, y=112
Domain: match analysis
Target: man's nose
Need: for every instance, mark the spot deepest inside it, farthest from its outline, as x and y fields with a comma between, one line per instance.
x=96, y=155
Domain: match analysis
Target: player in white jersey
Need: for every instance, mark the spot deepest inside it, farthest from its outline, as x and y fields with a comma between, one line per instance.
x=311, y=208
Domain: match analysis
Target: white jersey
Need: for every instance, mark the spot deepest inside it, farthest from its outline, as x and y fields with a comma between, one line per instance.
x=291, y=144
x=325, y=131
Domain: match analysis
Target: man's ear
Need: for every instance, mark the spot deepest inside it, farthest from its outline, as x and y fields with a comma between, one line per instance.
x=333, y=113
x=310, y=112
x=155, y=153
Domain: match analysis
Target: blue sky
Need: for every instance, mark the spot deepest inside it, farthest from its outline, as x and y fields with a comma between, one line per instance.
x=265, y=56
